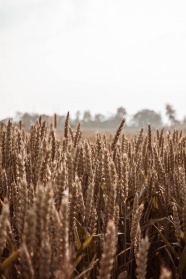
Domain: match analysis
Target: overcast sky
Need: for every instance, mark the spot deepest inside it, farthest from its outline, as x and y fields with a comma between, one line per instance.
x=69, y=55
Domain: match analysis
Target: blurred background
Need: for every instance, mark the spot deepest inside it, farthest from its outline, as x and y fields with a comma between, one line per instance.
x=97, y=59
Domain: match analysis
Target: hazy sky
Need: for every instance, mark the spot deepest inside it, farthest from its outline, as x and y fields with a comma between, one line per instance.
x=62, y=55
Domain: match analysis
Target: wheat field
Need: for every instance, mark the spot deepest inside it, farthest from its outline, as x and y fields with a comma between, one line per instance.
x=112, y=207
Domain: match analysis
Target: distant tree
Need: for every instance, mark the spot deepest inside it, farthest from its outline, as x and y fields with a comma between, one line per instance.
x=26, y=120
x=121, y=113
x=78, y=113
x=171, y=114
x=145, y=117
x=184, y=120
x=87, y=116
x=99, y=117
x=61, y=121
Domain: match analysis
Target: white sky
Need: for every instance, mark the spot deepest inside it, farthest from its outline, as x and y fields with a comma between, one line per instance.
x=62, y=55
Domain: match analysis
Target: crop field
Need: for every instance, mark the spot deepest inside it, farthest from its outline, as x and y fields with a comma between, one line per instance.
x=77, y=207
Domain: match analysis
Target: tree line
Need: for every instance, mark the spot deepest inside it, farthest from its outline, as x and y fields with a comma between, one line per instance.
x=99, y=121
